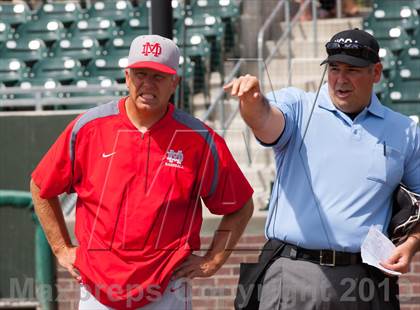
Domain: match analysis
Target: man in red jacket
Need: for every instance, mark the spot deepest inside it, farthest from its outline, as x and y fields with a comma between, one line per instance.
x=140, y=168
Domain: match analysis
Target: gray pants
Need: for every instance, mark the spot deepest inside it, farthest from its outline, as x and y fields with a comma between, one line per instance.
x=301, y=285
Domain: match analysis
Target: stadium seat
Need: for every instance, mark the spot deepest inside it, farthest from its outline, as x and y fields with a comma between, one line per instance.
x=28, y=84
x=118, y=47
x=99, y=28
x=5, y=32
x=184, y=93
x=12, y=71
x=197, y=49
x=409, y=24
x=117, y=11
x=381, y=89
x=394, y=38
x=80, y=96
x=46, y=30
x=229, y=12
x=212, y=29
x=177, y=9
x=14, y=13
x=103, y=81
x=142, y=10
x=109, y=66
x=67, y=12
x=223, y=8
x=388, y=60
x=63, y=69
x=82, y=48
x=134, y=27
x=409, y=70
x=26, y=49
x=405, y=96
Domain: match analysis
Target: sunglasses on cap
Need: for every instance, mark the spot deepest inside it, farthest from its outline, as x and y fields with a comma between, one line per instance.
x=352, y=49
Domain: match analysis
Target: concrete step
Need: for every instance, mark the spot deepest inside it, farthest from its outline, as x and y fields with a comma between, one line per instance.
x=299, y=49
x=326, y=28
x=259, y=176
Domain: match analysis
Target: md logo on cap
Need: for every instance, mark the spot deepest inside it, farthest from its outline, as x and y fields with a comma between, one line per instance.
x=154, y=49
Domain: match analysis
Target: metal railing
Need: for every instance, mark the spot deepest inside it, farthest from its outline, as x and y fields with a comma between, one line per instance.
x=219, y=101
x=68, y=95
x=290, y=24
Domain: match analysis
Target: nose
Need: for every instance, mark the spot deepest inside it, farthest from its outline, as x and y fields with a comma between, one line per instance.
x=342, y=76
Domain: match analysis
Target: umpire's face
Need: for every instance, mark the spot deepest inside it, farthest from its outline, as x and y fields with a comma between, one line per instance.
x=350, y=87
x=150, y=89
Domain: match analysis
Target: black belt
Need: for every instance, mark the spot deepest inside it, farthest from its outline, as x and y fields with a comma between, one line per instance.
x=321, y=257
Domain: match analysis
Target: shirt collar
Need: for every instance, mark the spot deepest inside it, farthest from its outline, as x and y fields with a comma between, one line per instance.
x=375, y=107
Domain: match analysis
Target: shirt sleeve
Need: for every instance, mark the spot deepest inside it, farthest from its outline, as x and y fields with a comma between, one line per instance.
x=54, y=175
x=227, y=190
x=284, y=100
x=411, y=177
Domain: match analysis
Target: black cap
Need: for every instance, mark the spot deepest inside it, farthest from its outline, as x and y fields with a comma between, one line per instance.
x=355, y=36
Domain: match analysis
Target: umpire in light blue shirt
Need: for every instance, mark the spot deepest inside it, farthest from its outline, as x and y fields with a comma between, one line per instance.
x=339, y=159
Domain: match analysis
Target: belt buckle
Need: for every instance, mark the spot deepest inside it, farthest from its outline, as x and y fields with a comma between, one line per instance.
x=324, y=258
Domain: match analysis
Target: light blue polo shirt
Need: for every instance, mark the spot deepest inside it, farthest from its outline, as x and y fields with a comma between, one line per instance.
x=332, y=187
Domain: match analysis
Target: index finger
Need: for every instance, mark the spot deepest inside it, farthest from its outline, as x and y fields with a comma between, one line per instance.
x=228, y=85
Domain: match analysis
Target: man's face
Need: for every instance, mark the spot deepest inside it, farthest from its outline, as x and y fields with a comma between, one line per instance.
x=149, y=89
x=350, y=87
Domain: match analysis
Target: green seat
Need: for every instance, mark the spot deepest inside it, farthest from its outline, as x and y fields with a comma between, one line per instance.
x=388, y=60
x=63, y=69
x=142, y=11
x=212, y=29
x=404, y=96
x=222, y=8
x=117, y=11
x=134, y=27
x=12, y=71
x=227, y=10
x=48, y=84
x=26, y=49
x=402, y=10
x=6, y=32
x=46, y=30
x=185, y=91
x=409, y=71
x=118, y=47
x=103, y=81
x=393, y=37
x=14, y=13
x=82, y=48
x=381, y=89
x=177, y=9
x=197, y=49
x=410, y=23
x=67, y=12
x=109, y=66
x=99, y=28
x=80, y=97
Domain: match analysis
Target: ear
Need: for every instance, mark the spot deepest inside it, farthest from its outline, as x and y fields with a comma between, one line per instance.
x=127, y=76
x=377, y=71
x=175, y=81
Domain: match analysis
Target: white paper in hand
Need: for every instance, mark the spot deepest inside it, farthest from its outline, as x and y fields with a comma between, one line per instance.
x=377, y=248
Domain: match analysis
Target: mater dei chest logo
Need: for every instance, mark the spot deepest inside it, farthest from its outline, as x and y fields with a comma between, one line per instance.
x=174, y=159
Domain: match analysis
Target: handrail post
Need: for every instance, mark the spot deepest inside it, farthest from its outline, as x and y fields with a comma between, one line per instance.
x=260, y=42
x=315, y=28
x=289, y=43
x=339, y=8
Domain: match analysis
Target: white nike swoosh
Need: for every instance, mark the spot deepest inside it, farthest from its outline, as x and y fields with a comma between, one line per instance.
x=108, y=155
